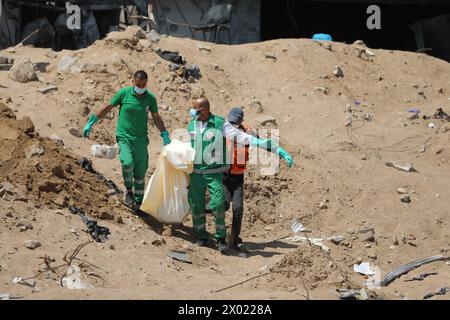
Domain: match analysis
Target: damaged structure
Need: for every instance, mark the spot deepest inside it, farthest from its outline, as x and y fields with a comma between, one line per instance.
x=412, y=25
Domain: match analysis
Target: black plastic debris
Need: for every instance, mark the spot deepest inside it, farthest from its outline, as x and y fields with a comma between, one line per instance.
x=172, y=56
x=99, y=233
x=438, y=292
x=440, y=114
x=86, y=164
x=422, y=276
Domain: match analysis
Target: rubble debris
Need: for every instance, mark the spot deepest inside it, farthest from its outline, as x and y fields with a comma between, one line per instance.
x=76, y=132
x=407, y=167
x=57, y=139
x=406, y=199
x=264, y=120
x=337, y=71
x=32, y=244
x=47, y=89
x=23, y=71
x=51, y=54
x=421, y=276
x=438, y=292
x=405, y=269
x=103, y=151
x=311, y=241
x=324, y=90
x=35, y=149
x=180, y=256
x=367, y=234
x=345, y=294
x=431, y=125
x=256, y=105
x=323, y=205
x=401, y=190
x=422, y=148
x=336, y=239
x=440, y=114
x=270, y=56
x=7, y=296
x=65, y=63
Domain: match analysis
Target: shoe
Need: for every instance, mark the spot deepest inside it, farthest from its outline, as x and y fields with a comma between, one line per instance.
x=202, y=242
x=138, y=212
x=221, y=245
x=129, y=199
x=235, y=243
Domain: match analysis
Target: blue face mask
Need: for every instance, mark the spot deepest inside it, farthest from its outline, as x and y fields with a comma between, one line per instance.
x=139, y=90
x=194, y=113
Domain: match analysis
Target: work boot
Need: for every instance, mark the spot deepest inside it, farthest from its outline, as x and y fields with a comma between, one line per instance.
x=221, y=245
x=202, y=242
x=129, y=199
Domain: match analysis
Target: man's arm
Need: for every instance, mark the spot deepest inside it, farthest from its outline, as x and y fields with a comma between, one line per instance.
x=158, y=122
x=160, y=125
x=104, y=111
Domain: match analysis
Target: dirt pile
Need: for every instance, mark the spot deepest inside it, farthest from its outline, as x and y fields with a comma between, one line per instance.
x=38, y=170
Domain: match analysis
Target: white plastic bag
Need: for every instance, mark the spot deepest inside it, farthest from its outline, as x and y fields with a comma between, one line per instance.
x=166, y=197
x=104, y=151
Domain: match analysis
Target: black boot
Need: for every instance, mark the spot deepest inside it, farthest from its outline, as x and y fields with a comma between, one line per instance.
x=129, y=198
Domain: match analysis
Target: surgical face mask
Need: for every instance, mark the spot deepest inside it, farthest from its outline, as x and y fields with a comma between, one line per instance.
x=139, y=90
x=194, y=113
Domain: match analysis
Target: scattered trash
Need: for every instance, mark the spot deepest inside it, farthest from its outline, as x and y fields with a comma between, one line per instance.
x=337, y=71
x=401, y=190
x=172, y=56
x=7, y=296
x=104, y=151
x=297, y=226
x=440, y=114
x=72, y=280
x=270, y=56
x=440, y=150
x=422, y=148
x=405, y=269
x=422, y=276
x=367, y=234
x=323, y=205
x=24, y=282
x=66, y=63
x=57, y=139
x=439, y=292
x=86, y=164
x=345, y=294
x=336, y=239
x=364, y=295
x=32, y=244
x=311, y=241
x=99, y=233
x=405, y=199
x=47, y=89
x=407, y=167
x=180, y=256
x=414, y=110
x=348, y=122
x=363, y=268
x=431, y=125
x=367, y=117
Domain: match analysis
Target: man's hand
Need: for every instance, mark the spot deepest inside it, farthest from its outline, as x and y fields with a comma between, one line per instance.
x=87, y=129
x=286, y=156
x=165, y=137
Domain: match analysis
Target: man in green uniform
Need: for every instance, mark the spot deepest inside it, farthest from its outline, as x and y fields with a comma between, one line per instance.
x=132, y=133
x=208, y=135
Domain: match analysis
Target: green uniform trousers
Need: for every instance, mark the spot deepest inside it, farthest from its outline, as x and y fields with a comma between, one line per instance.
x=134, y=160
x=197, y=188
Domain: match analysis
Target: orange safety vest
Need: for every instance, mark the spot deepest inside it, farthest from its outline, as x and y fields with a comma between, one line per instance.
x=239, y=153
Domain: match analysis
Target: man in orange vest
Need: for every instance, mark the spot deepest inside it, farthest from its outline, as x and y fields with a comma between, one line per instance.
x=233, y=180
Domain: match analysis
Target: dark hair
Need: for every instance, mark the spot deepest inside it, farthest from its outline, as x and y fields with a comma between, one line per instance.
x=141, y=75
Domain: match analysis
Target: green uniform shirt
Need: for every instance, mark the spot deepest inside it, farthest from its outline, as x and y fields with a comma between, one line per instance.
x=133, y=114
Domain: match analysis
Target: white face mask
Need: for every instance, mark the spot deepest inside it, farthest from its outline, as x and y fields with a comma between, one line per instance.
x=139, y=90
x=236, y=126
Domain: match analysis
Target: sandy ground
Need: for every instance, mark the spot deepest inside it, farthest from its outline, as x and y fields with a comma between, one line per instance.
x=339, y=184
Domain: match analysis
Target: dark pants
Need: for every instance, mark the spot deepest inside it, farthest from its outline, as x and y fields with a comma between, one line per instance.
x=234, y=191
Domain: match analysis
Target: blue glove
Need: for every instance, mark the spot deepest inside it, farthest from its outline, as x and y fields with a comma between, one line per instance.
x=165, y=137
x=286, y=156
x=267, y=144
x=87, y=129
